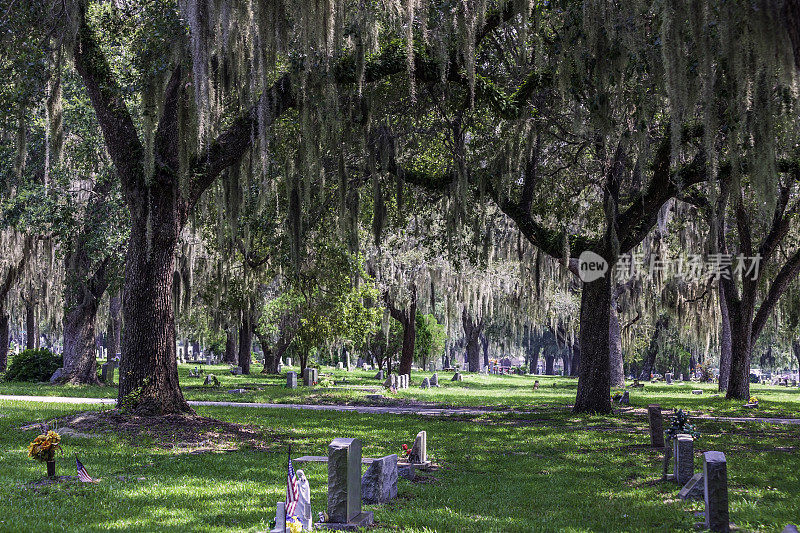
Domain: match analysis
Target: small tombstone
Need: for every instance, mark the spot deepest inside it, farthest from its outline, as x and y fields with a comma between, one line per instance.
x=715, y=474
x=435, y=380
x=790, y=528
x=432, y=366
x=237, y=391
x=288, y=361
x=406, y=471
x=694, y=489
x=668, y=378
x=419, y=451
x=684, y=458
x=291, y=380
x=280, y=518
x=107, y=372
x=57, y=375
x=656, y=426
x=682, y=378
x=340, y=366
x=236, y=371
x=212, y=380
x=626, y=398
x=344, y=486
x=308, y=377
x=426, y=384
x=364, y=366
x=697, y=391
x=457, y=377
x=379, y=483
x=536, y=385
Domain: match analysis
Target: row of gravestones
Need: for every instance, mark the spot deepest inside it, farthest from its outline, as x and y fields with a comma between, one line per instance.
x=397, y=382
x=402, y=381
x=347, y=488
x=310, y=378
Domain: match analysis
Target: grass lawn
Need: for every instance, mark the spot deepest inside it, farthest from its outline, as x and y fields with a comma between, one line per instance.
x=550, y=471
x=511, y=392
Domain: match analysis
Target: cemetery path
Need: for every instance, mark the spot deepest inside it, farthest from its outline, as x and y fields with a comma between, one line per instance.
x=365, y=409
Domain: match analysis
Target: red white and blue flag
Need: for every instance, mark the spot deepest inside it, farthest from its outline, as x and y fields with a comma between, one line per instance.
x=292, y=490
x=82, y=474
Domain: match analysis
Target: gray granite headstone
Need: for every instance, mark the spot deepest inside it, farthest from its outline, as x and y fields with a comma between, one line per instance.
x=694, y=488
x=280, y=518
x=790, y=528
x=419, y=450
x=379, y=483
x=236, y=371
x=340, y=366
x=457, y=377
x=291, y=380
x=426, y=384
x=656, y=426
x=435, y=380
x=57, y=375
x=344, y=480
x=715, y=474
x=684, y=458
x=668, y=378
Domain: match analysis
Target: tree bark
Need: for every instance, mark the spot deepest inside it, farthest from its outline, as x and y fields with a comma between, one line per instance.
x=230, y=355
x=4, y=340
x=30, y=325
x=485, y=345
x=472, y=332
x=114, y=325
x=549, y=360
x=652, y=349
x=795, y=349
x=725, y=342
x=594, y=373
x=617, y=368
x=407, y=319
x=245, y=343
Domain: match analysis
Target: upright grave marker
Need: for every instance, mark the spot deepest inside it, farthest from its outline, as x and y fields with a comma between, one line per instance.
x=715, y=474
x=344, y=486
x=656, y=426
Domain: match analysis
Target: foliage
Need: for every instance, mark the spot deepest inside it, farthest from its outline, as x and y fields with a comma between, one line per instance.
x=680, y=425
x=33, y=365
x=44, y=447
x=430, y=338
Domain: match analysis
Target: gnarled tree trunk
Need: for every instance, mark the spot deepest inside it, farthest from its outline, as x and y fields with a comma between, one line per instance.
x=652, y=349
x=114, y=330
x=594, y=374
x=472, y=333
x=407, y=319
x=725, y=342
x=245, y=343
x=230, y=355
x=30, y=325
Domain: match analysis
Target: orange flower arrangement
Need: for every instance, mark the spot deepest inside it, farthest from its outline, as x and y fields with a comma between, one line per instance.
x=44, y=447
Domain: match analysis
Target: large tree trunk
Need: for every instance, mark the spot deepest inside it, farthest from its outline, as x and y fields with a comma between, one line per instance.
x=617, y=368
x=594, y=376
x=148, y=381
x=652, y=349
x=741, y=319
x=485, y=346
x=549, y=360
x=230, y=355
x=795, y=349
x=725, y=342
x=4, y=340
x=30, y=326
x=114, y=325
x=80, y=363
x=574, y=360
x=408, y=319
x=245, y=343
x=472, y=333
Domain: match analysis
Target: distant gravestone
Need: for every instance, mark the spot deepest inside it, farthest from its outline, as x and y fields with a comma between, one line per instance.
x=656, y=426
x=288, y=361
x=684, y=458
x=280, y=518
x=236, y=371
x=668, y=378
x=379, y=483
x=697, y=391
x=379, y=375
x=309, y=376
x=419, y=451
x=626, y=398
x=536, y=385
x=715, y=475
x=212, y=380
x=406, y=471
x=694, y=489
x=790, y=528
x=432, y=367
x=344, y=486
x=291, y=380
x=435, y=380
x=340, y=366
x=457, y=377
x=426, y=384
x=107, y=372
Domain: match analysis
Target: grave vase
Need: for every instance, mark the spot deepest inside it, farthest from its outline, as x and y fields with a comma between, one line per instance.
x=51, y=469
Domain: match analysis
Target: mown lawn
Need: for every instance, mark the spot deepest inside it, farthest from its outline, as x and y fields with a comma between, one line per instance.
x=477, y=390
x=550, y=471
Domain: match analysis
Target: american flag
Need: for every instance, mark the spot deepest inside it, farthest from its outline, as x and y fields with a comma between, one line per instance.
x=292, y=490
x=82, y=474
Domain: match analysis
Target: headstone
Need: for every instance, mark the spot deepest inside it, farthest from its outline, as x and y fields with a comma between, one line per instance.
x=212, y=380
x=308, y=377
x=340, y=366
x=432, y=367
x=715, y=478
x=419, y=451
x=536, y=385
x=379, y=375
x=303, y=509
x=426, y=384
x=237, y=391
x=291, y=380
x=280, y=519
x=379, y=483
x=668, y=378
x=656, y=426
x=684, y=458
x=457, y=377
x=406, y=471
x=56, y=375
x=236, y=371
x=682, y=378
x=435, y=380
x=107, y=372
x=288, y=361
x=697, y=391
x=344, y=486
x=694, y=488
x=790, y=528
x=626, y=398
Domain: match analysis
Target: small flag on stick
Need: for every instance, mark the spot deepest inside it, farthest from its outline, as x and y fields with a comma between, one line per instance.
x=83, y=475
x=292, y=489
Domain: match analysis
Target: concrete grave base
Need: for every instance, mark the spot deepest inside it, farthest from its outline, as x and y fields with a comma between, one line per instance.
x=365, y=519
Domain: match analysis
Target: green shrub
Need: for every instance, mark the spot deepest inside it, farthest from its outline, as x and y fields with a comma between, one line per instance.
x=34, y=365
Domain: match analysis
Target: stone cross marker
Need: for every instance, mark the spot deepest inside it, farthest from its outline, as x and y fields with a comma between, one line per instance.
x=715, y=474
x=684, y=458
x=656, y=426
x=291, y=380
